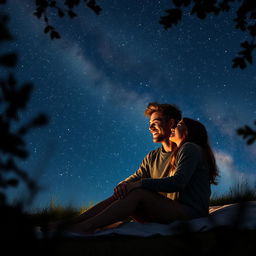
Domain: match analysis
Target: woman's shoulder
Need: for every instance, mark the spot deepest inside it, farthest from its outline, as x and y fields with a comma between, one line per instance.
x=190, y=147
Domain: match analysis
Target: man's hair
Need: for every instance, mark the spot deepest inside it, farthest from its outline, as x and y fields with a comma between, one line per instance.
x=170, y=111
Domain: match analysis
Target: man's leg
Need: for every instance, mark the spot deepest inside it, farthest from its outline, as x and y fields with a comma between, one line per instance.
x=156, y=207
x=94, y=210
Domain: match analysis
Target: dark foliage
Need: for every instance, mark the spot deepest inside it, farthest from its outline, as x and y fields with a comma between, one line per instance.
x=17, y=234
x=14, y=99
x=66, y=9
x=16, y=230
x=245, y=21
x=247, y=133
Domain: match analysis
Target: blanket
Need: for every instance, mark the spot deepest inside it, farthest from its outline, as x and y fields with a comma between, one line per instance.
x=238, y=215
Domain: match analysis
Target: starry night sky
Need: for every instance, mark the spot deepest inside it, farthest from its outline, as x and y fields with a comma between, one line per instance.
x=95, y=82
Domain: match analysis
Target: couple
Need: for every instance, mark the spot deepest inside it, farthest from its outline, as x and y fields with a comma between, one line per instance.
x=172, y=183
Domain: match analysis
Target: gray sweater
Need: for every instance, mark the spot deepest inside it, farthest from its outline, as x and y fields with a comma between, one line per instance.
x=155, y=165
x=190, y=184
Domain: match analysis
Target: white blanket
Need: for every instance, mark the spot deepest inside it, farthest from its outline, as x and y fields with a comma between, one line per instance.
x=241, y=216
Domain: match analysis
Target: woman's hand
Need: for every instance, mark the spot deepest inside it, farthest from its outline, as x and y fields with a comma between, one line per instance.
x=133, y=185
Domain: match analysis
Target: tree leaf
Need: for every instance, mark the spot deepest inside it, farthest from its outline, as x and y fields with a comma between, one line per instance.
x=55, y=34
x=71, y=14
x=92, y=5
x=250, y=141
x=39, y=11
x=12, y=182
x=40, y=120
x=252, y=30
x=248, y=56
x=72, y=3
x=47, y=29
x=42, y=3
x=61, y=13
x=199, y=11
x=173, y=17
x=9, y=60
x=239, y=62
x=53, y=3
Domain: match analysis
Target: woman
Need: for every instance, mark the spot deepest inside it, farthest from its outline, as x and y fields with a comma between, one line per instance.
x=192, y=171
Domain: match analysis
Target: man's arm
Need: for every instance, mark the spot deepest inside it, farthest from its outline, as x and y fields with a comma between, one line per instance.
x=142, y=172
x=121, y=190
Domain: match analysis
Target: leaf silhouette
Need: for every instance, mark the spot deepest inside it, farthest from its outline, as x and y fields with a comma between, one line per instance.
x=61, y=13
x=72, y=3
x=42, y=3
x=47, y=29
x=12, y=182
x=244, y=20
x=72, y=14
x=5, y=35
x=239, y=62
x=199, y=11
x=92, y=5
x=9, y=60
x=250, y=141
x=39, y=12
x=173, y=17
x=252, y=30
x=247, y=133
x=53, y=3
x=40, y=120
x=55, y=35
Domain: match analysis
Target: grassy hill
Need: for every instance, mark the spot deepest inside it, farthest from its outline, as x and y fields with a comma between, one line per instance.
x=240, y=192
x=219, y=241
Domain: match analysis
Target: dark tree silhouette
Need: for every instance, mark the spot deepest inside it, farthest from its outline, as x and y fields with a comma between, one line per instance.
x=17, y=231
x=13, y=99
x=245, y=21
x=15, y=224
x=247, y=133
x=64, y=9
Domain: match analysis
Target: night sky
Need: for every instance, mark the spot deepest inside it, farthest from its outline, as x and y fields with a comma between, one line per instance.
x=95, y=82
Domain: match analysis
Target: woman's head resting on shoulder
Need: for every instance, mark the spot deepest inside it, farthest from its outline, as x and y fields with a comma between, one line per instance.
x=189, y=130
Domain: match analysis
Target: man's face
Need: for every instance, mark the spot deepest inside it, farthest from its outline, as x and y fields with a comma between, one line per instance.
x=159, y=127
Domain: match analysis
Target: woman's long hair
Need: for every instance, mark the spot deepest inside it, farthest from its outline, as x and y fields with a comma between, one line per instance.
x=197, y=134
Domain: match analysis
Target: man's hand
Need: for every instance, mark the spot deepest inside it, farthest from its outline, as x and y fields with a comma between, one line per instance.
x=122, y=189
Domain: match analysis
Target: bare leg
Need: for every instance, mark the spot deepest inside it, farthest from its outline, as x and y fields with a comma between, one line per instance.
x=96, y=209
x=158, y=209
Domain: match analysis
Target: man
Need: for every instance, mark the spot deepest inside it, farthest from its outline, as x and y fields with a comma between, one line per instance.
x=156, y=164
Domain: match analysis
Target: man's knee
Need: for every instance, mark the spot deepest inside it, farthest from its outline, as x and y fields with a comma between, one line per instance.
x=138, y=193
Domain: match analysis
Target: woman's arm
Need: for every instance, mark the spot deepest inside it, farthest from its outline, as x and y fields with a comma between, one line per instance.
x=187, y=161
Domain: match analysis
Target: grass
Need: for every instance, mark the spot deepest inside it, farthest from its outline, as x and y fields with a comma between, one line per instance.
x=55, y=212
x=238, y=193
x=223, y=241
